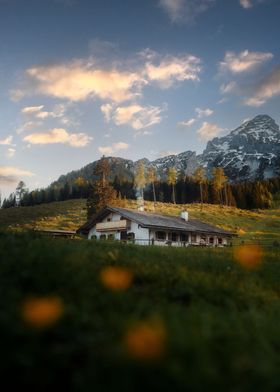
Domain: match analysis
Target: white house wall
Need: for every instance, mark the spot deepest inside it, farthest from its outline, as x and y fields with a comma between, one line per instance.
x=141, y=234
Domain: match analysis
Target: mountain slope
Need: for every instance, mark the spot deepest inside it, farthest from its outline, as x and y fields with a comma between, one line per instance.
x=250, y=152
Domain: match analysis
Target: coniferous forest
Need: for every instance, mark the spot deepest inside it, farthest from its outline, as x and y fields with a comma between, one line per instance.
x=244, y=195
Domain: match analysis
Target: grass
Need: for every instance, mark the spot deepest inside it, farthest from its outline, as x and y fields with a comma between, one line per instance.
x=260, y=225
x=186, y=319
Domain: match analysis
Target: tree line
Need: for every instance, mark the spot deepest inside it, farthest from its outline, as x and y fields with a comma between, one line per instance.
x=176, y=188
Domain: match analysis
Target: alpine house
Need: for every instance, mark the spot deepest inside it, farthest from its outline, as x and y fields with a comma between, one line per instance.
x=145, y=228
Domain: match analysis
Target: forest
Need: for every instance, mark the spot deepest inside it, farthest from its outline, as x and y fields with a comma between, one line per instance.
x=175, y=187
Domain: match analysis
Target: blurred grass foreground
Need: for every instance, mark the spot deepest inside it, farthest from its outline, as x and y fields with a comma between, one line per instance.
x=88, y=316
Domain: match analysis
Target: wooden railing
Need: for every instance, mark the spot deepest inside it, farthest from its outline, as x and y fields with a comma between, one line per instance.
x=112, y=225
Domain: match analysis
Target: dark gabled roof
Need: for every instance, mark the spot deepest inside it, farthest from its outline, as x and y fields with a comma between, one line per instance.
x=156, y=221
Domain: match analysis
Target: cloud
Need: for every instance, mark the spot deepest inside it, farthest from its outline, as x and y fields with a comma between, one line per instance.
x=245, y=61
x=167, y=153
x=227, y=88
x=114, y=81
x=136, y=116
x=185, y=10
x=39, y=113
x=109, y=150
x=266, y=89
x=16, y=95
x=28, y=126
x=187, y=123
x=7, y=141
x=203, y=112
x=32, y=109
x=79, y=80
x=10, y=175
x=246, y=3
x=208, y=131
x=59, y=135
x=173, y=69
x=11, y=152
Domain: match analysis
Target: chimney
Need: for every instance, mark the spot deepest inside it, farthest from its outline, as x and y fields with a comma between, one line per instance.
x=140, y=204
x=185, y=215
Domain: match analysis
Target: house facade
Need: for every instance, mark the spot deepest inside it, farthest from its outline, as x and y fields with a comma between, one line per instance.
x=144, y=228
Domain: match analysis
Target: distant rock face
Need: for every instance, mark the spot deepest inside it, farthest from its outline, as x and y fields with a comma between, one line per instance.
x=252, y=151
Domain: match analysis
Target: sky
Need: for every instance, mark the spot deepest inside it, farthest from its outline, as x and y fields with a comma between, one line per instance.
x=84, y=78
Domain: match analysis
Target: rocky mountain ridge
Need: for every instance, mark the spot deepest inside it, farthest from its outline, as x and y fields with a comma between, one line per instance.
x=250, y=152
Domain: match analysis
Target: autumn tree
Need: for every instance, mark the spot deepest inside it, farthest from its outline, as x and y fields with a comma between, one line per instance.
x=140, y=178
x=171, y=181
x=151, y=179
x=102, y=193
x=219, y=181
x=199, y=178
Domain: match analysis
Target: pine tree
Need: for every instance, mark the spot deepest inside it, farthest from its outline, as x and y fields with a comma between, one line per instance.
x=21, y=190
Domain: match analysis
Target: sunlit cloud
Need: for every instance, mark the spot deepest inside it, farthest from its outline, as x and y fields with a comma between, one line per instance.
x=185, y=10
x=173, y=69
x=136, y=116
x=266, y=89
x=115, y=82
x=208, y=131
x=116, y=147
x=59, y=135
x=79, y=80
x=10, y=175
x=244, y=61
x=8, y=141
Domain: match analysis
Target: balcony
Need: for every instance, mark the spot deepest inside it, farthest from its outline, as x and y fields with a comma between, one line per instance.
x=112, y=225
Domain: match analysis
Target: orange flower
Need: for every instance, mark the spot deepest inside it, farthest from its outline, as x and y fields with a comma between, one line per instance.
x=42, y=312
x=116, y=278
x=248, y=256
x=146, y=341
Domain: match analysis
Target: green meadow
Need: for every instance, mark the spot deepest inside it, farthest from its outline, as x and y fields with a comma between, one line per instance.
x=257, y=225
x=128, y=318
x=82, y=315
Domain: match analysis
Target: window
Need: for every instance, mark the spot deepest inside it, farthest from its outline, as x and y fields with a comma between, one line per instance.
x=220, y=241
x=111, y=237
x=174, y=237
x=108, y=219
x=103, y=237
x=160, y=235
x=193, y=237
x=94, y=237
x=184, y=237
x=211, y=240
x=131, y=236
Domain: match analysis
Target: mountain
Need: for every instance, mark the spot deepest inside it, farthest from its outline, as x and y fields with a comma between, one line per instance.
x=252, y=151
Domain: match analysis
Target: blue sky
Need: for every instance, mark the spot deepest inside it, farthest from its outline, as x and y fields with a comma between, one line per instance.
x=83, y=78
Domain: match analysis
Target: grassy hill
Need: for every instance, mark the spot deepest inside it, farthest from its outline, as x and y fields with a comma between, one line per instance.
x=263, y=225
x=108, y=317
x=104, y=316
